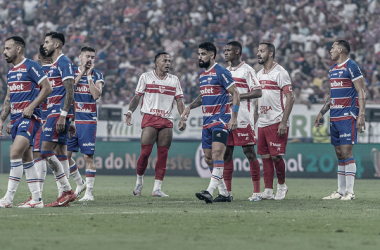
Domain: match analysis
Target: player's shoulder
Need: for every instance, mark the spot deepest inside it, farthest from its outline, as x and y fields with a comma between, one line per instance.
x=97, y=73
x=64, y=59
x=172, y=77
x=30, y=63
x=352, y=63
x=219, y=68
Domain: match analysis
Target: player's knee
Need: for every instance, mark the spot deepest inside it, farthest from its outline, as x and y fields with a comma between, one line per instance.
x=88, y=159
x=208, y=161
x=217, y=155
x=276, y=158
x=227, y=157
x=251, y=156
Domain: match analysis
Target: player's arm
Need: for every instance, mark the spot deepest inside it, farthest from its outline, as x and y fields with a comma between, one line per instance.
x=195, y=104
x=325, y=108
x=81, y=73
x=359, y=86
x=235, y=106
x=5, y=112
x=95, y=88
x=282, y=128
x=45, y=91
x=181, y=108
x=251, y=95
x=69, y=100
x=132, y=107
x=256, y=113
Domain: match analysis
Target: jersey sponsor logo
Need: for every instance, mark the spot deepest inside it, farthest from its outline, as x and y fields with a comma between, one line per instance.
x=48, y=129
x=159, y=112
x=265, y=109
x=82, y=89
x=35, y=71
x=337, y=84
x=11, y=77
x=88, y=144
x=243, y=134
x=16, y=87
x=345, y=135
x=275, y=144
x=206, y=90
x=24, y=123
x=15, y=111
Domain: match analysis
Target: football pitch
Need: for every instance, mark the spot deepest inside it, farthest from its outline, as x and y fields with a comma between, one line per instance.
x=118, y=220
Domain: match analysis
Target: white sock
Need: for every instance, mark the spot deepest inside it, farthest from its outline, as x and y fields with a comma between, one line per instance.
x=74, y=172
x=140, y=180
x=341, y=177
x=217, y=174
x=41, y=168
x=350, y=174
x=14, y=178
x=32, y=180
x=90, y=179
x=157, y=184
x=65, y=164
x=222, y=188
x=57, y=168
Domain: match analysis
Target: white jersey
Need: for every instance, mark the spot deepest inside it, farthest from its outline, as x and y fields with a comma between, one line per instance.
x=158, y=94
x=274, y=85
x=245, y=81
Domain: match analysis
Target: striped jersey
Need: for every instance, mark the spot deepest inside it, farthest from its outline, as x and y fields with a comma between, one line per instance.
x=245, y=81
x=274, y=85
x=23, y=80
x=344, y=97
x=85, y=104
x=43, y=105
x=60, y=70
x=158, y=94
x=214, y=84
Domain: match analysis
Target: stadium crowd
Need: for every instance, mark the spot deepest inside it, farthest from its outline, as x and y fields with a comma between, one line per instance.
x=128, y=33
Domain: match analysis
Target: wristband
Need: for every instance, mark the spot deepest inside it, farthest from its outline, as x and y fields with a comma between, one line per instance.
x=129, y=112
x=89, y=78
x=235, y=108
x=72, y=122
x=63, y=113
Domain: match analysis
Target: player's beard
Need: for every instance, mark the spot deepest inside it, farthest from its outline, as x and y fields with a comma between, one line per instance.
x=9, y=59
x=263, y=60
x=49, y=54
x=204, y=64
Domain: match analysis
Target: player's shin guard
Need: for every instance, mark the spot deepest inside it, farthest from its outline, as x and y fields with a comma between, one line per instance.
x=74, y=172
x=142, y=162
x=162, y=156
x=268, y=172
x=90, y=180
x=216, y=176
x=227, y=174
x=255, y=174
x=350, y=167
x=41, y=168
x=341, y=177
x=57, y=168
x=280, y=170
x=32, y=180
x=14, y=178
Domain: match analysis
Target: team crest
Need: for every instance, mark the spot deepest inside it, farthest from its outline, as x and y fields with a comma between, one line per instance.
x=161, y=89
x=340, y=73
x=80, y=105
x=209, y=79
x=19, y=75
x=12, y=106
x=332, y=101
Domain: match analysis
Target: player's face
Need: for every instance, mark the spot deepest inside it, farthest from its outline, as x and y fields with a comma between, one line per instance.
x=262, y=54
x=10, y=51
x=335, y=51
x=204, y=58
x=87, y=59
x=49, y=46
x=163, y=63
x=230, y=53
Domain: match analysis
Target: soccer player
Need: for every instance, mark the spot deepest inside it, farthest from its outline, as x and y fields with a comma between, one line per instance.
x=347, y=107
x=88, y=88
x=215, y=84
x=22, y=101
x=272, y=113
x=248, y=86
x=60, y=111
x=159, y=90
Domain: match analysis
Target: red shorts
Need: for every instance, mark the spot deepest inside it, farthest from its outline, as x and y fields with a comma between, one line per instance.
x=268, y=141
x=156, y=122
x=242, y=137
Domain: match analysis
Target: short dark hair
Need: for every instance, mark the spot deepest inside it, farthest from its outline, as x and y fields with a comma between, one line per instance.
x=87, y=48
x=17, y=39
x=208, y=46
x=345, y=45
x=271, y=48
x=236, y=44
x=159, y=54
x=42, y=51
x=57, y=35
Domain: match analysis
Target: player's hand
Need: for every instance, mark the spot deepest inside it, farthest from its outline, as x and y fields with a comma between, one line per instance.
x=9, y=129
x=360, y=124
x=282, y=128
x=232, y=125
x=28, y=112
x=72, y=131
x=89, y=70
x=128, y=118
x=61, y=124
x=182, y=125
x=317, y=120
x=185, y=114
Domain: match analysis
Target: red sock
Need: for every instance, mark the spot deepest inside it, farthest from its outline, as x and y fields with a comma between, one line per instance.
x=142, y=162
x=227, y=174
x=268, y=172
x=162, y=157
x=255, y=174
x=280, y=170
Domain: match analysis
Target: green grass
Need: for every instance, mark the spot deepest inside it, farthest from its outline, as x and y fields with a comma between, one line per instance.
x=117, y=220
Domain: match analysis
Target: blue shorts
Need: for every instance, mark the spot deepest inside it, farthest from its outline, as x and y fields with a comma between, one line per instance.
x=343, y=132
x=207, y=135
x=25, y=127
x=83, y=139
x=51, y=134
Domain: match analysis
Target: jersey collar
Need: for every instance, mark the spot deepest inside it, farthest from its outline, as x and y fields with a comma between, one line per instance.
x=274, y=65
x=235, y=68
x=58, y=58
x=211, y=68
x=340, y=65
x=18, y=65
x=166, y=76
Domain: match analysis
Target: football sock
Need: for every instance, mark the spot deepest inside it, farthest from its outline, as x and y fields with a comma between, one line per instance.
x=142, y=162
x=255, y=174
x=140, y=180
x=74, y=172
x=41, y=168
x=90, y=180
x=280, y=170
x=14, y=178
x=222, y=188
x=268, y=172
x=57, y=168
x=65, y=164
x=341, y=177
x=157, y=184
x=227, y=174
x=350, y=174
x=32, y=180
x=162, y=156
x=217, y=174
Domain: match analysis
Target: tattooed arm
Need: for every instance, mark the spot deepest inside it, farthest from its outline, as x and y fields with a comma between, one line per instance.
x=132, y=107
x=5, y=112
x=325, y=108
x=69, y=99
x=196, y=103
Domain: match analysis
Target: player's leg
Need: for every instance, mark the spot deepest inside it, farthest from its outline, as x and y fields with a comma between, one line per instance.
x=228, y=167
x=268, y=167
x=73, y=146
x=61, y=154
x=148, y=138
x=254, y=167
x=41, y=168
x=90, y=177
